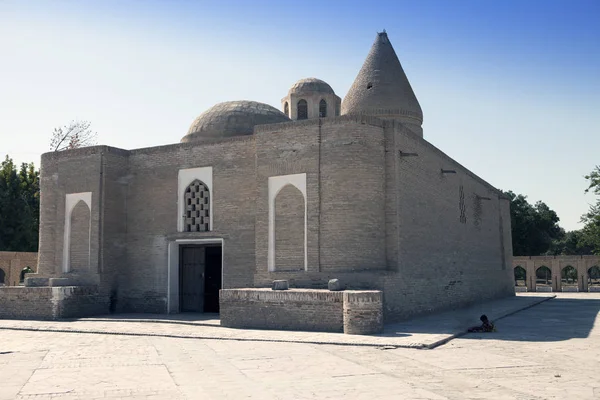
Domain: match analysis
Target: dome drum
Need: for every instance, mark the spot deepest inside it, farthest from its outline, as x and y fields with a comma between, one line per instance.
x=311, y=98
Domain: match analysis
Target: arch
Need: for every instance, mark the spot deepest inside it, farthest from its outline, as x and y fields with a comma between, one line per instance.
x=289, y=229
x=543, y=276
x=197, y=207
x=568, y=276
x=26, y=270
x=2, y=277
x=322, y=108
x=71, y=201
x=275, y=185
x=520, y=276
x=594, y=276
x=79, y=241
x=286, y=109
x=302, y=109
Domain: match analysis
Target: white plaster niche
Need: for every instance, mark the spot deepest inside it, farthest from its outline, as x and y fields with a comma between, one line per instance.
x=276, y=183
x=71, y=200
x=184, y=178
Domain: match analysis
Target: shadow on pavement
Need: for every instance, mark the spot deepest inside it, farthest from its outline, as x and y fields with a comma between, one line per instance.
x=554, y=320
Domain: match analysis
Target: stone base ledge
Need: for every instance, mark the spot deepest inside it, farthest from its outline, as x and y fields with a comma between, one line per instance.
x=350, y=311
x=50, y=303
x=570, y=289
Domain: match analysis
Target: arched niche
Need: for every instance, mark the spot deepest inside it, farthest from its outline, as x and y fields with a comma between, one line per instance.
x=185, y=178
x=520, y=276
x=73, y=200
x=276, y=184
x=289, y=229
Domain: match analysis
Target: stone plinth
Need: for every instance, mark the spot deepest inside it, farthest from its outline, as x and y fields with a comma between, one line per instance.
x=302, y=309
x=280, y=285
x=363, y=312
x=49, y=303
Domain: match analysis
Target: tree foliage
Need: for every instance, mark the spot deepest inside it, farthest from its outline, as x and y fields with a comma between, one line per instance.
x=19, y=206
x=591, y=220
x=534, y=227
x=73, y=136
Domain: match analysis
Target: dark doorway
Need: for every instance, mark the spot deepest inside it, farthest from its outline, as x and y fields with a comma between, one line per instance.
x=199, y=278
x=212, y=282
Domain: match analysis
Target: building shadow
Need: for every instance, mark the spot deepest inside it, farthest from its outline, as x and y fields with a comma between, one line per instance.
x=552, y=321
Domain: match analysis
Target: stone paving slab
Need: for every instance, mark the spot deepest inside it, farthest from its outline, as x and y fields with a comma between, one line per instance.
x=421, y=333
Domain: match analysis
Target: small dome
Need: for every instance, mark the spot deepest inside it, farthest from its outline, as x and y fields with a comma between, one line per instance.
x=310, y=85
x=232, y=118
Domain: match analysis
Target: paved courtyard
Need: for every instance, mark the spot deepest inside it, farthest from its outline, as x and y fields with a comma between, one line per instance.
x=548, y=351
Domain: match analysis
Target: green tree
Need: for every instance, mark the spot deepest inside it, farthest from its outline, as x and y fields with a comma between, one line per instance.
x=572, y=243
x=19, y=206
x=591, y=220
x=534, y=227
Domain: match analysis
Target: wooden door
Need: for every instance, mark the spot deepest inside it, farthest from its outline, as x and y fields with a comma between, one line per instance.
x=191, y=278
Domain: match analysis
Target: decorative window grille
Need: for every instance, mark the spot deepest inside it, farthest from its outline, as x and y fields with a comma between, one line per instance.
x=197, y=207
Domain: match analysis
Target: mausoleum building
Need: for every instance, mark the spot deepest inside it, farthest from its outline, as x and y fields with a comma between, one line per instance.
x=323, y=189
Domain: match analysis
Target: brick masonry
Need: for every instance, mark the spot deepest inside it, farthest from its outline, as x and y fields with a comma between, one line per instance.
x=51, y=302
x=375, y=219
x=353, y=312
x=12, y=263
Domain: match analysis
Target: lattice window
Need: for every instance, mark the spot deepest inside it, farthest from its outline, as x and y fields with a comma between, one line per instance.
x=322, y=109
x=302, y=109
x=197, y=207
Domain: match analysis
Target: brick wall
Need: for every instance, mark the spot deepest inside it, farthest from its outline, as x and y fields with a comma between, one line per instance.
x=355, y=312
x=289, y=229
x=51, y=302
x=151, y=216
x=453, y=234
x=300, y=309
x=12, y=263
x=375, y=219
x=80, y=237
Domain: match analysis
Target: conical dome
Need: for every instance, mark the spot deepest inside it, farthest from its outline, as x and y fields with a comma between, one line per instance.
x=382, y=88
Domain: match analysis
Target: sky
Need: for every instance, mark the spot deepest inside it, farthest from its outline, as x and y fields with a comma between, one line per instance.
x=510, y=89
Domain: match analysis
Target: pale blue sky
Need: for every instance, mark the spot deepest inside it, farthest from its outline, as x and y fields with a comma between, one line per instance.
x=510, y=89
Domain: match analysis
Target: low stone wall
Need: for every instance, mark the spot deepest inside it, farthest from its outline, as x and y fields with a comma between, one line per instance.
x=359, y=312
x=26, y=303
x=49, y=303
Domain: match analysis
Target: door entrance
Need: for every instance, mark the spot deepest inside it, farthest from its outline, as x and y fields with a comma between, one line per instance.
x=199, y=278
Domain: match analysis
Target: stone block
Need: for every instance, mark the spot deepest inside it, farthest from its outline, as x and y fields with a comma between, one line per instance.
x=570, y=289
x=36, y=282
x=520, y=289
x=281, y=284
x=363, y=312
x=54, y=282
x=335, y=285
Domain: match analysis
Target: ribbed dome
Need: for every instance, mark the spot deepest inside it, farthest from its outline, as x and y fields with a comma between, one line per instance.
x=310, y=85
x=381, y=87
x=232, y=118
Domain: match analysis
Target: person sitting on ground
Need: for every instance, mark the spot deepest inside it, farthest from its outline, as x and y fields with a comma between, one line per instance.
x=486, y=325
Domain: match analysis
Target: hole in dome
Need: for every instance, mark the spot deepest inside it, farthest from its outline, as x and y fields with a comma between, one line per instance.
x=369, y=85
